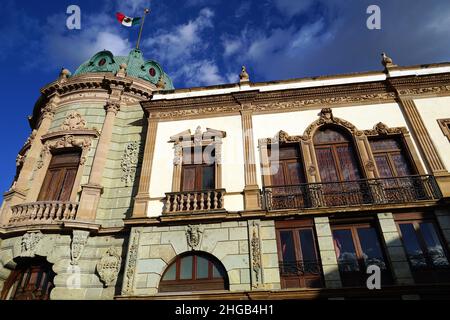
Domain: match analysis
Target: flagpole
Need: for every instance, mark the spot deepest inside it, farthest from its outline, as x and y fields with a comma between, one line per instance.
x=146, y=11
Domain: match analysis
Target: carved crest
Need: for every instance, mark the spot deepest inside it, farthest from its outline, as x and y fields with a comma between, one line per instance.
x=29, y=243
x=79, y=240
x=326, y=117
x=73, y=121
x=382, y=129
x=109, y=266
x=193, y=235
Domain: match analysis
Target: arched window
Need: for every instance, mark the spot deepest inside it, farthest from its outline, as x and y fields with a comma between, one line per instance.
x=32, y=279
x=336, y=156
x=194, y=272
x=339, y=168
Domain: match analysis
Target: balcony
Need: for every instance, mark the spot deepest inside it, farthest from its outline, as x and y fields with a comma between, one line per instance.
x=43, y=212
x=352, y=193
x=301, y=274
x=194, y=201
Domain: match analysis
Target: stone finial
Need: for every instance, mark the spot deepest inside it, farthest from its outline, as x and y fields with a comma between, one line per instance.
x=243, y=76
x=160, y=84
x=387, y=61
x=122, y=70
x=64, y=75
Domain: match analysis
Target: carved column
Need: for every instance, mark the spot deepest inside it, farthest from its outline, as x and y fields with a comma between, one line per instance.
x=18, y=193
x=143, y=196
x=251, y=190
x=90, y=194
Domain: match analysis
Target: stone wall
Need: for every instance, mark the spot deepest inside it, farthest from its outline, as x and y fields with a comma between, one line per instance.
x=152, y=249
x=75, y=260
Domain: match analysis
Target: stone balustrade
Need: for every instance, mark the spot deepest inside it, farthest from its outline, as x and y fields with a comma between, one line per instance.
x=192, y=201
x=43, y=212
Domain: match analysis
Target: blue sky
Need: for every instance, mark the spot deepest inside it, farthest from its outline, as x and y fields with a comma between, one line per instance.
x=204, y=42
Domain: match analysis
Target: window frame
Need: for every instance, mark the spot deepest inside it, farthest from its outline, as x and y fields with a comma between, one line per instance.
x=194, y=284
x=430, y=273
x=295, y=227
x=358, y=278
x=444, y=124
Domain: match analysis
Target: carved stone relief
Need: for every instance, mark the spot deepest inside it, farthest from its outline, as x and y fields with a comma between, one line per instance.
x=109, y=266
x=73, y=121
x=131, y=264
x=256, y=255
x=129, y=162
x=79, y=240
x=29, y=243
x=193, y=236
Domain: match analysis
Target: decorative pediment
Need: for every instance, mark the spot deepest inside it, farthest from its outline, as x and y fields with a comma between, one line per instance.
x=381, y=129
x=73, y=121
x=281, y=137
x=326, y=117
x=198, y=136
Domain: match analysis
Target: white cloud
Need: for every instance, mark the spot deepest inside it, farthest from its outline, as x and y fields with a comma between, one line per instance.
x=292, y=7
x=198, y=73
x=183, y=40
x=231, y=45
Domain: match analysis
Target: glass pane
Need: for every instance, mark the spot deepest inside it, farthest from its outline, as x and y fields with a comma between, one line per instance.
x=208, y=179
x=402, y=165
x=188, y=178
x=309, y=256
x=307, y=245
x=295, y=173
x=411, y=243
x=287, y=246
x=290, y=152
x=434, y=245
x=186, y=268
x=383, y=166
x=385, y=144
x=345, y=250
x=202, y=268
x=327, y=167
x=171, y=272
x=348, y=163
x=277, y=174
x=217, y=273
x=371, y=247
x=329, y=135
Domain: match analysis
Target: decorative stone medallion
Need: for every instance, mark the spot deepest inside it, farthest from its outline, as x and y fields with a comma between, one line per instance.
x=29, y=243
x=193, y=235
x=79, y=240
x=109, y=266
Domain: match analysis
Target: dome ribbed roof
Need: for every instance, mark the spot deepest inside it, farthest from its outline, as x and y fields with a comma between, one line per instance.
x=105, y=61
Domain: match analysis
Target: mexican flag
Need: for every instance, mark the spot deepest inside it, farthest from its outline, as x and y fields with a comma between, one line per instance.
x=127, y=21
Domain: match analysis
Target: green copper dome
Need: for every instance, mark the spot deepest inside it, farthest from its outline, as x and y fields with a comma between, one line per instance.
x=105, y=61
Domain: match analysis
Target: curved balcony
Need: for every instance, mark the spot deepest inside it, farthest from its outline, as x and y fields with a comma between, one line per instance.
x=43, y=212
x=352, y=193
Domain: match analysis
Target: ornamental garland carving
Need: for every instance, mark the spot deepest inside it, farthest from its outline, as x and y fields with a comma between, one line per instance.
x=282, y=137
x=131, y=264
x=109, y=266
x=79, y=240
x=414, y=91
x=129, y=162
x=193, y=236
x=29, y=243
x=326, y=117
x=382, y=129
x=66, y=141
x=256, y=255
x=73, y=121
x=275, y=106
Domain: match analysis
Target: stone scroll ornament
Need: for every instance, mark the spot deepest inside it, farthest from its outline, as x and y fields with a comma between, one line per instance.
x=109, y=266
x=29, y=243
x=256, y=253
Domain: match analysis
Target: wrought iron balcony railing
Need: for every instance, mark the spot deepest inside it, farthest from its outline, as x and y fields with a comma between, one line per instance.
x=194, y=201
x=43, y=212
x=352, y=193
x=300, y=268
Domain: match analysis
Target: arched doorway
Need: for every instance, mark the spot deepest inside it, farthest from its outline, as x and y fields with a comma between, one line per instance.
x=194, y=271
x=32, y=279
x=339, y=168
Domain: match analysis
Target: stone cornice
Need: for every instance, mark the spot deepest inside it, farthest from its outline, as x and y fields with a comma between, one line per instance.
x=61, y=133
x=297, y=99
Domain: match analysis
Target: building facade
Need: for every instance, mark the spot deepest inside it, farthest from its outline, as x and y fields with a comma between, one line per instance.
x=297, y=189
